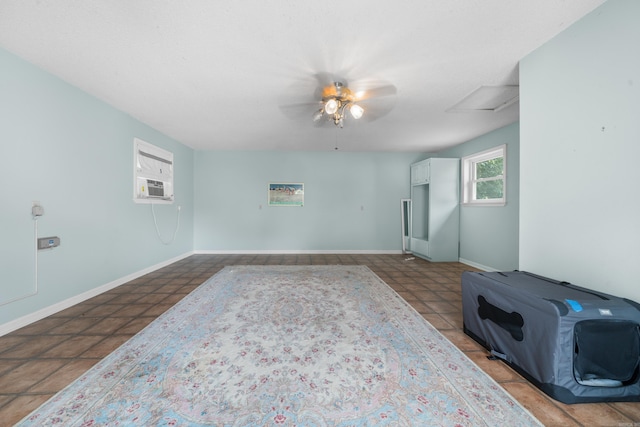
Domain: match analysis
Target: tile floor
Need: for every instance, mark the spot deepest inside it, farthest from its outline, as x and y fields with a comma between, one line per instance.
x=42, y=358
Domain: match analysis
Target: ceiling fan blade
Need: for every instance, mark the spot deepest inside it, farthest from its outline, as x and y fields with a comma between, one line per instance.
x=300, y=111
x=298, y=101
x=364, y=90
x=324, y=78
x=303, y=98
x=379, y=92
x=374, y=108
x=376, y=97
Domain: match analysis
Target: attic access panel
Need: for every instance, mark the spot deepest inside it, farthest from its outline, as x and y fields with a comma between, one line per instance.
x=488, y=98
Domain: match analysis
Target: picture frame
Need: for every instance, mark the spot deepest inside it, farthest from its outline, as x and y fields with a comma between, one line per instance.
x=285, y=194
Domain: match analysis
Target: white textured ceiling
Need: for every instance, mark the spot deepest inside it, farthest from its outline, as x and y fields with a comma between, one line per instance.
x=212, y=74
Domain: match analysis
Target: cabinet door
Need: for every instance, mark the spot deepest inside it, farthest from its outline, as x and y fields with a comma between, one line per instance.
x=420, y=247
x=414, y=174
x=420, y=172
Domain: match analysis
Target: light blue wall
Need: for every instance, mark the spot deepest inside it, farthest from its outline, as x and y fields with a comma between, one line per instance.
x=74, y=154
x=489, y=234
x=580, y=145
x=352, y=201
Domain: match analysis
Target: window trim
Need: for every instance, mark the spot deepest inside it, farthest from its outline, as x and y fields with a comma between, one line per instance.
x=468, y=182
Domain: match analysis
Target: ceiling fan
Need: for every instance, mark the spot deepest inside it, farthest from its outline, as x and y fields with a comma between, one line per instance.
x=326, y=99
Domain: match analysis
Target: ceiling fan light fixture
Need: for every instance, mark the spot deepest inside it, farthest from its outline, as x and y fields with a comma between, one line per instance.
x=333, y=102
x=356, y=111
x=318, y=115
x=331, y=106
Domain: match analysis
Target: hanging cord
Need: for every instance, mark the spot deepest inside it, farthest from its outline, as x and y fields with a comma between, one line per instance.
x=336, y=139
x=35, y=254
x=155, y=221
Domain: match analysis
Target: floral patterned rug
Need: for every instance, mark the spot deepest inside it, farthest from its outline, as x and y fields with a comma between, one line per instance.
x=286, y=346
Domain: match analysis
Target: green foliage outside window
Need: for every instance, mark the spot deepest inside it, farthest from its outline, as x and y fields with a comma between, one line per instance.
x=486, y=187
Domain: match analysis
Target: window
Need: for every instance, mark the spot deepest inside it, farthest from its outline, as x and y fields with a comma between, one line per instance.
x=484, y=177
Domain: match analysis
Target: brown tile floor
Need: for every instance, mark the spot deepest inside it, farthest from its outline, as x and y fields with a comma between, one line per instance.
x=42, y=358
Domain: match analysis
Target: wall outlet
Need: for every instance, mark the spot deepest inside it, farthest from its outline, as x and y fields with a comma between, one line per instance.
x=48, y=242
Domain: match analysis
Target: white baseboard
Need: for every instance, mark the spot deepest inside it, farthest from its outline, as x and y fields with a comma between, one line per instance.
x=69, y=302
x=476, y=265
x=295, y=252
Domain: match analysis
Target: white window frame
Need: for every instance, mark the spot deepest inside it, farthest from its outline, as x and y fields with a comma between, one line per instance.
x=469, y=180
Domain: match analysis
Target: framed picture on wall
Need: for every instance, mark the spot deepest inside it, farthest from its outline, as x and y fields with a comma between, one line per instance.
x=286, y=194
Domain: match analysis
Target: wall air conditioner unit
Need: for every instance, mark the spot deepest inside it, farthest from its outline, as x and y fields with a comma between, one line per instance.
x=153, y=173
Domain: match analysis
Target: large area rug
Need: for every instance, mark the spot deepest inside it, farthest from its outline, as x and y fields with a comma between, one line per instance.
x=286, y=346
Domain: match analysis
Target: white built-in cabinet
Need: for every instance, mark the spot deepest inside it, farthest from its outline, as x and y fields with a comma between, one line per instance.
x=435, y=217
